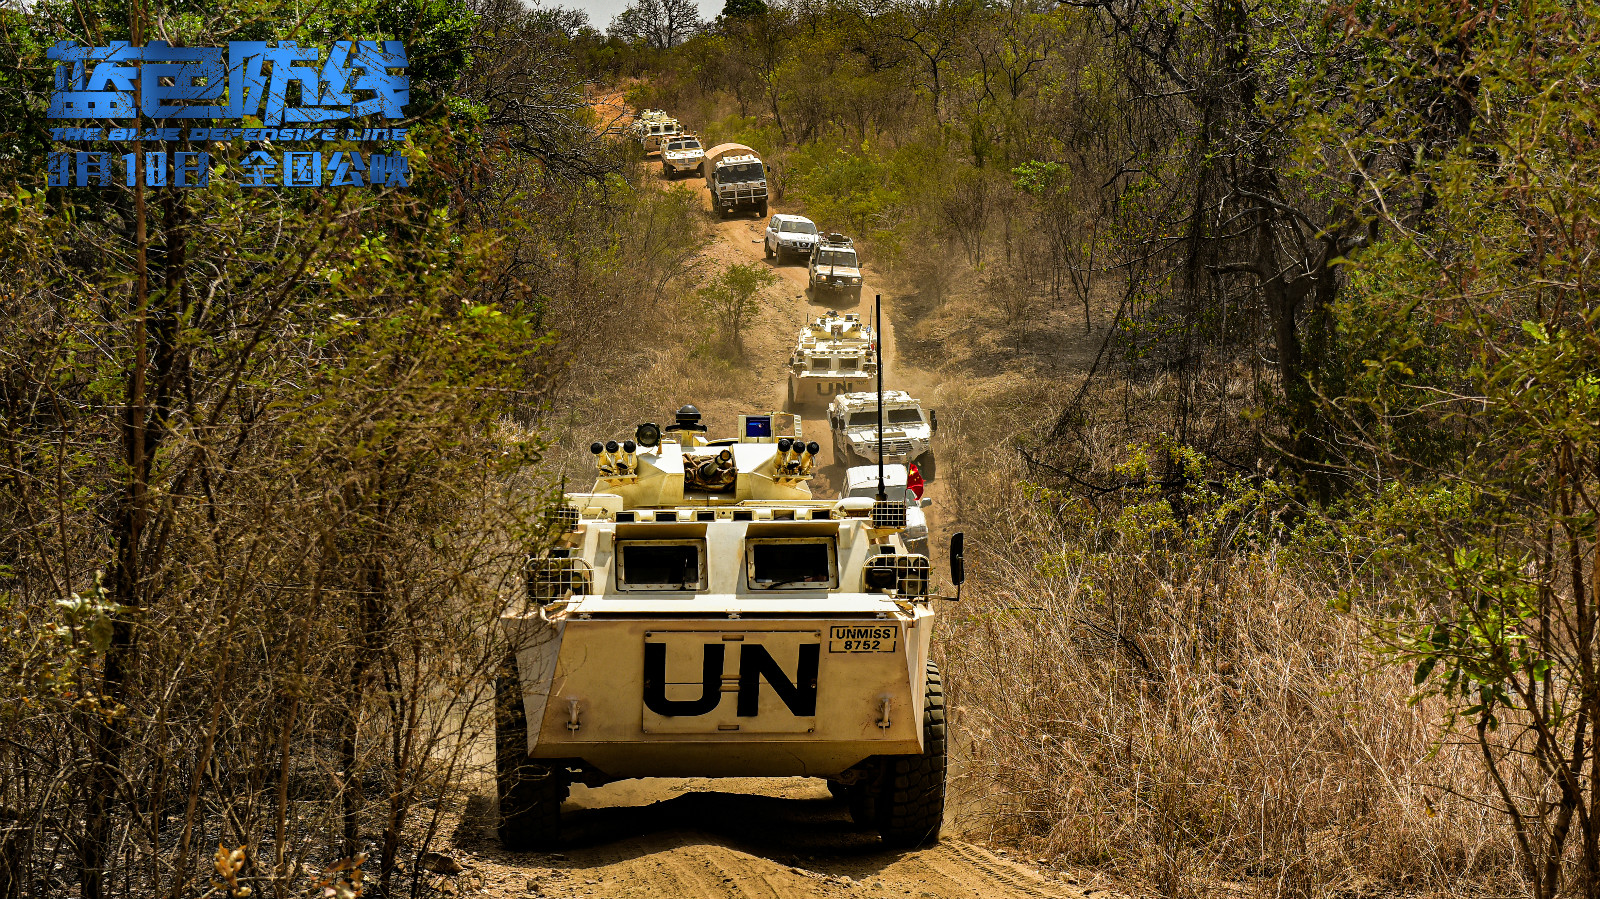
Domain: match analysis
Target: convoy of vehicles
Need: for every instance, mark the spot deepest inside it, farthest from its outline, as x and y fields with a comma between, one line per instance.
x=907, y=429
x=834, y=267
x=736, y=178
x=681, y=155
x=790, y=235
x=834, y=354
x=702, y=614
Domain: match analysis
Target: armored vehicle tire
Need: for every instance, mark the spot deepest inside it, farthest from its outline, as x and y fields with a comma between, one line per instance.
x=925, y=465
x=863, y=805
x=910, y=803
x=530, y=793
x=790, y=406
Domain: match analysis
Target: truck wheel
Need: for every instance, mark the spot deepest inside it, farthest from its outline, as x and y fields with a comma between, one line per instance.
x=530, y=793
x=911, y=801
x=855, y=295
x=763, y=208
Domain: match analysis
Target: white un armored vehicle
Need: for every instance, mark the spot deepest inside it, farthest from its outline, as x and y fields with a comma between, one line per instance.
x=656, y=132
x=682, y=154
x=701, y=615
x=907, y=429
x=834, y=267
x=834, y=355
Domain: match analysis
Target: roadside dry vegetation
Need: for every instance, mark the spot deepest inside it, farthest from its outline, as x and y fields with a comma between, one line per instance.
x=1255, y=337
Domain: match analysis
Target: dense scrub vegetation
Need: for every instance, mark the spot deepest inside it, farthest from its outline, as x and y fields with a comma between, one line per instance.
x=271, y=459
x=1308, y=295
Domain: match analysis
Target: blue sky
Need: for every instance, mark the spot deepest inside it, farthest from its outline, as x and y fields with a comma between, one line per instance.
x=601, y=12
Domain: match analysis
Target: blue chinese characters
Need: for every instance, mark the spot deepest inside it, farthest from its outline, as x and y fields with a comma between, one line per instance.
x=282, y=83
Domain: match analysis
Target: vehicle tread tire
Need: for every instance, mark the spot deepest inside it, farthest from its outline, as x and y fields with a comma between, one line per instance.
x=911, y=800
x=530, y=793
x=925, y=464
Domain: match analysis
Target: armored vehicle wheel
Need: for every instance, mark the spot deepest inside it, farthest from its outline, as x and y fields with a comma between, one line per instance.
x=840, y=792
x=530, y=793
x=910, y=802
x=925, y=465
x=790, y=407
x=863, y=805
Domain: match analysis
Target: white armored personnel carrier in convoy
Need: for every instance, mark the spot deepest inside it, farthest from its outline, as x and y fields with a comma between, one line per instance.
x=835, y=354
x=701, y=614
x=906, y=435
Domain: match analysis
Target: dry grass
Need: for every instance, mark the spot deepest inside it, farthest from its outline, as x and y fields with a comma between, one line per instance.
x=1192, y=718
x=1194, y=721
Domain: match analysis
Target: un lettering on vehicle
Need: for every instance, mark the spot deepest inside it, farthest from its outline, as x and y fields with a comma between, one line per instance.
x=699, y=682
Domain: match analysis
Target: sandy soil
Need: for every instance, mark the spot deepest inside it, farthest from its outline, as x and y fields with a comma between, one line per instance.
x=745, y=837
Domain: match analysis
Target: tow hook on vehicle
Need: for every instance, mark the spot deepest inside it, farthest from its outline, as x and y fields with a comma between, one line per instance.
x=883, y=722
x=574, y=723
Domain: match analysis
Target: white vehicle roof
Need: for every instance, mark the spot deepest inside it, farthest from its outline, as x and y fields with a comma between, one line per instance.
x=864, y=400
x=785, y=217
x=862, y=475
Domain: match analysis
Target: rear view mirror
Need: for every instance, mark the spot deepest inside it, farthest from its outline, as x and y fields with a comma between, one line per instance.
x=958, y=558
x=925, y=502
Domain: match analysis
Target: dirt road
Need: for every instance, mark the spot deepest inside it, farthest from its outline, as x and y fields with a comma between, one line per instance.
x=772, y=838
x=747, y=837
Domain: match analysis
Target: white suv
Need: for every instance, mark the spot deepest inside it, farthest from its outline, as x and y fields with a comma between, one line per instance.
x=793, y=235
x=863, y=481
x=835, y=268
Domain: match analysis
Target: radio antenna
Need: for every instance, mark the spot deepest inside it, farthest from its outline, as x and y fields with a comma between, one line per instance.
x=877, y=345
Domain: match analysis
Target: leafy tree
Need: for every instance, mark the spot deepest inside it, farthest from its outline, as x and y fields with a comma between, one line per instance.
x=1468, y=401
x=247, y=517
x=733, y=299
x=743, y=9
x=661, y=24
